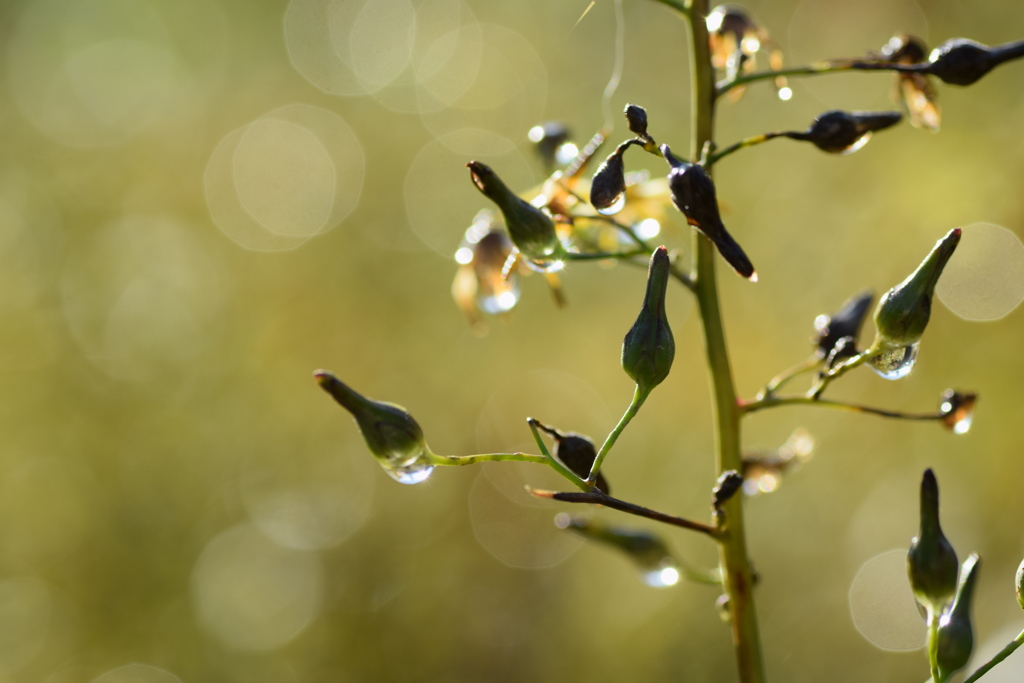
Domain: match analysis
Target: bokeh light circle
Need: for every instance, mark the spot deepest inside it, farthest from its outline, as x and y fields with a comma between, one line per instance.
x=137, y=673
x=294, y=173
x=252, y=594
x=827, y=29
x=882, y=605
x=984, y=280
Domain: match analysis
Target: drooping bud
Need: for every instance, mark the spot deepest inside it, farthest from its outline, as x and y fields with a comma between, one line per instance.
x=609, y=180
x=390, y=432
x=532, y=230
x=481, y=284
x=957, y=410
x=961, y=61
x=903, y=312
x=842, y=132
x=576, y=452
x=914, y=90
x=648, y=552
x=693, y=193
x=552, y=142
x=931, y=562
x=846, y=322
x=636, y=119
x=956, y=635
x=1020, y=585
x=649, y=348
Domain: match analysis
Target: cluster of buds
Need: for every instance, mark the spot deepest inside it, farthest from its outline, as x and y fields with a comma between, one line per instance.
x=835, y=337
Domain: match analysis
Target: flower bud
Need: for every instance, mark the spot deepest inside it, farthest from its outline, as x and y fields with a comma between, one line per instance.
x=609, y=181
x=532, y=230
x=391, y=433
x=912, y=89
x=962, y=62
x=726, y=487
x=693, y=193
x=576, y=452
x=550, y=139
x=902, y=313
x=649, y=349
x=957, y=410
x=956, y=636
x=931, y=562
x=636, y=119
x=846, y=322
x=841, y=132
x=1020, y=585
x=648, y=552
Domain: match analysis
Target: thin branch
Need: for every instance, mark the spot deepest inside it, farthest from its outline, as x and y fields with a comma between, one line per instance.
x=457, y=460
x=808, y=400
x=598, y=498
x=1003, y=654
x=816, y=68
x=714, y=157
x=776, y=382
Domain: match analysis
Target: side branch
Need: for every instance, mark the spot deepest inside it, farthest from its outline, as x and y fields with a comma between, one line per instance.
x=598, y=498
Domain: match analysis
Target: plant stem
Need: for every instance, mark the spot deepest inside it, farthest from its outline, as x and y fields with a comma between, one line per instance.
x=803, y=400
x=736, y=574
x=634, y=407
x=1003, y=654
x=715, y=157
x=456, y=460
x=598, y=498
x=826, y=67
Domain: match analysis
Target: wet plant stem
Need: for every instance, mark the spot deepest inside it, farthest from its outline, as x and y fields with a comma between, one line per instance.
x=1003, y=654
x=737, y=577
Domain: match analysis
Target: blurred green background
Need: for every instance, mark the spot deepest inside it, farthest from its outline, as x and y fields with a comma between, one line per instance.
x=203, y=202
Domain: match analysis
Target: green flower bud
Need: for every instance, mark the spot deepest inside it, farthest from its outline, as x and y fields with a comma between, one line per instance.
x=956, y=636
x=649, y=349
x=532, y=230
x=932, y=563
x=903, y=312
x=841, y=132
x=391, y=433
x=1020, y=585
x=962, y=62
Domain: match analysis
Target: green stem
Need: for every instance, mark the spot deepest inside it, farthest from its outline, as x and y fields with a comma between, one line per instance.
x=805, y=400
x=714, y=157
x=933, y=647
x=776, y=382
x=736, y=573
x=599, y=256
x=457, y=460
x=816, y=68
x=634, y=407
x=552, y=461
x=1003, y=654
x=840, y=370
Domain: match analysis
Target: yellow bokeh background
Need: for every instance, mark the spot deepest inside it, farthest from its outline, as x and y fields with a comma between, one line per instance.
x=203, y=202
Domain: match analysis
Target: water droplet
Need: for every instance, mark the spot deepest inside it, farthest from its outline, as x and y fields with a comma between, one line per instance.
x=500, y=302
x=615, y=206
x=545, y=265
x=957, y=410
x=860, y=142
x=648, y=228
x=665, y=575
x=410, y=474
x=785, y=94
x=566, y=153
x=895, y=363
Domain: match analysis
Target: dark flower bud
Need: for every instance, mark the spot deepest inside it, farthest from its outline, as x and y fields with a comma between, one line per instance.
x=649, y=349
x=576, y=452
x=726, y=487
x=693, y=193
x=957, y=410
x=842, y=132
x=956, y=636
x=903, y=312
x=904, y=48
x=962, y=62
x=390, y=432
x=636, y=118
x=1020, y=585
x=931, y=562
x=648, y=552
x=548, y=140
x=609, y=181
x=913, y=89
x=532, y=230
x=830, y=329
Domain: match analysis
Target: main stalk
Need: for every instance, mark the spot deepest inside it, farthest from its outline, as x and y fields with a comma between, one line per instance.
x=737, y=575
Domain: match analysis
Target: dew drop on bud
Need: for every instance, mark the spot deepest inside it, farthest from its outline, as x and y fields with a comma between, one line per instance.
x=415, y=473
x=614, y=207
x=896, y=362
x=663, y=576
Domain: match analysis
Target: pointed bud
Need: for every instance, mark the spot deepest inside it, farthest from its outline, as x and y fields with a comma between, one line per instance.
x=649, y=349
x=931, y=562
x=903, y=312
x=693, y=193
x=841, y=132
x=648, y=552
x=844, y=323
x=576, y=452
x=962, y=62
x=957, y=410
x=609, y=180
x=956, y=636
x=532, y=230
x=1020, y=585
x=636, y=119
x=391, y=433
